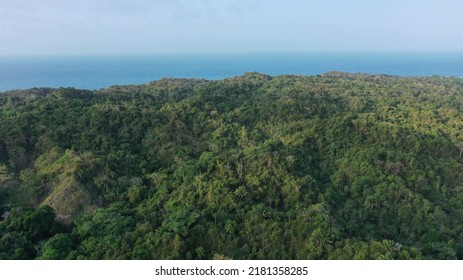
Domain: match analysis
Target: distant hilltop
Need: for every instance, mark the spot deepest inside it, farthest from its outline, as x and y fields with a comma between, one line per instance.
x=248, y=75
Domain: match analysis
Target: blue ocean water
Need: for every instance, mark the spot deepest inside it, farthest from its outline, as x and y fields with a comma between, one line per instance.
x=93, y=72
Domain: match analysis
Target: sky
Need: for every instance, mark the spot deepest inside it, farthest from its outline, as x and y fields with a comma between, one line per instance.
x=96, y=27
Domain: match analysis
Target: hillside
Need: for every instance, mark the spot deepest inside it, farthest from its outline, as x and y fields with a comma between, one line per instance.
x=334, y=166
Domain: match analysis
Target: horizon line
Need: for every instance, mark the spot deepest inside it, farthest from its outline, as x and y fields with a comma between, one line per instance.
x=404, y=52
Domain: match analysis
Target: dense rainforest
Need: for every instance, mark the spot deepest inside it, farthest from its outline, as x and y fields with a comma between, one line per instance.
x=333, y=166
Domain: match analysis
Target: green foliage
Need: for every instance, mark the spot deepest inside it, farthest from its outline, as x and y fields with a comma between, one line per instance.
x=23, y=233
x=56, y=248
x=105, y=234
x=334, y=166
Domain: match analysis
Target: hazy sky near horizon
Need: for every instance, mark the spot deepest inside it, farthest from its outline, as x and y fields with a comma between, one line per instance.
x=82, y=27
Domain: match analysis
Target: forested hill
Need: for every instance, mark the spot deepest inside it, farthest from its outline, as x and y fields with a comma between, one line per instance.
x=334, y=166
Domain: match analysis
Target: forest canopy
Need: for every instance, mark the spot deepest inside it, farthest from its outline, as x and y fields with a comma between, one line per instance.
x=333, y=166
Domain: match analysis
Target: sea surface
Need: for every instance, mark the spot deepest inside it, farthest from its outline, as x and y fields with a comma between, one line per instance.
x=94, y=72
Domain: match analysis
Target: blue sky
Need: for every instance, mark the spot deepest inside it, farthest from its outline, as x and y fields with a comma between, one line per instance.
x=83, y=27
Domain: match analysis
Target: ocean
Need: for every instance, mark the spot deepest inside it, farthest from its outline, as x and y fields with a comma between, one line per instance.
x=94, y=72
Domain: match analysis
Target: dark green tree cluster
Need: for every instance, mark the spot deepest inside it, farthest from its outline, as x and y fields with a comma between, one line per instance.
x=27, y=232
x=334, y=166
